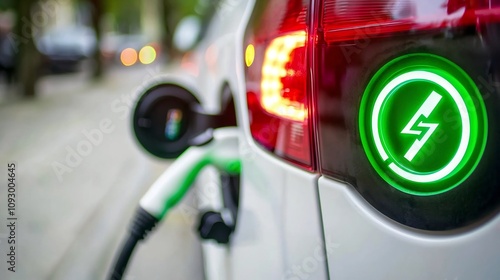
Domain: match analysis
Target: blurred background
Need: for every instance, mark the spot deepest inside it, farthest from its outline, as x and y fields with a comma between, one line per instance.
x=47, y=37
x=68, y=74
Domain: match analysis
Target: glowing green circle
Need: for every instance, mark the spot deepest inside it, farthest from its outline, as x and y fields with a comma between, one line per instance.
x=407, y=108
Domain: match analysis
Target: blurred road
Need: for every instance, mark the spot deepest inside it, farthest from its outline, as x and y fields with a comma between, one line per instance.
x=80, y=176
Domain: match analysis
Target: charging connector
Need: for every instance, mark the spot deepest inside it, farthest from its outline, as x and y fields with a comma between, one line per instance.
x=222, y=151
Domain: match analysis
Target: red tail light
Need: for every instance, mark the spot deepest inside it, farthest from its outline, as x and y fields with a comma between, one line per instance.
x=277, y=84
x=283, y=84
x=346, y=20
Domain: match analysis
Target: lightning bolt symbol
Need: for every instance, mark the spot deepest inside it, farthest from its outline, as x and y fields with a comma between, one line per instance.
x=425, y=110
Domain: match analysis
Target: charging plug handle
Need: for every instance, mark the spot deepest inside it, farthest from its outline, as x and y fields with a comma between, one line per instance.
x=222, y=151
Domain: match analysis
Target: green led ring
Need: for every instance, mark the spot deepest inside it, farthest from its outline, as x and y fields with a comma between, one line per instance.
x=407, y=107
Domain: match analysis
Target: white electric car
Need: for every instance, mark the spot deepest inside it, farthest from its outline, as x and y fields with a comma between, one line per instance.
x=370, y=138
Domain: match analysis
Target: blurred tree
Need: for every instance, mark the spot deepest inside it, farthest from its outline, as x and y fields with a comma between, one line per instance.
x=170, y=19
x=97, y=16
x=172, y=12
x=126, y=15
x=28, y=57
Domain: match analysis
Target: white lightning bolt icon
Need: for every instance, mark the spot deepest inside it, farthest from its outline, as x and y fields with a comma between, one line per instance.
x=425, y=110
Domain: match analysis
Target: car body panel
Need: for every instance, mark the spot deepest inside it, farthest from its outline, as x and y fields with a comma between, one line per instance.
x=372, y=246
x=278, y=235
x=279, y=228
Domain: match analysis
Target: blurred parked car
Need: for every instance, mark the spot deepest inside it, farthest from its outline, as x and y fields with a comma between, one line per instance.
x=63, y=48
x=7, y=56
x=7, y=47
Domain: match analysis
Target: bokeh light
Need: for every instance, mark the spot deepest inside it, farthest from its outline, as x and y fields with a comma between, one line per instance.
x=147, y=55
x=128, y=57
x=249, y=55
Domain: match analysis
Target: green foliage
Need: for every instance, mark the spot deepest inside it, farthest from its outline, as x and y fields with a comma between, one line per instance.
x=185, y=7
x=126, y=14
x=6, y=4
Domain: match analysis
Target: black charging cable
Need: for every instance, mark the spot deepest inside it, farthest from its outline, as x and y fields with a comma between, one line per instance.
x=142, y=224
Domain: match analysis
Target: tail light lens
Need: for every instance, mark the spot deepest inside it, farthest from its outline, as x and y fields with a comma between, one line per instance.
x=283, y=79
x=347, y=20
x=276, y=80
